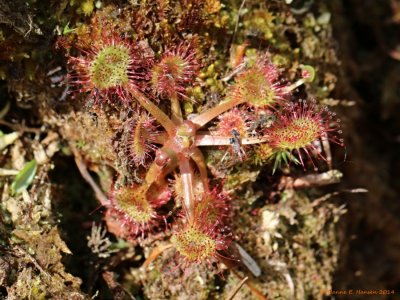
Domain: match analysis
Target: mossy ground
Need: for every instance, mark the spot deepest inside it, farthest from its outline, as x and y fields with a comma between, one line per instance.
x=291, y=234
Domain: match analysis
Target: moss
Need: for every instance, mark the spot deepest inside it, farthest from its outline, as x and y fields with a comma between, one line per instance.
x=87, y=7
x=260, y=22
x=37, y=270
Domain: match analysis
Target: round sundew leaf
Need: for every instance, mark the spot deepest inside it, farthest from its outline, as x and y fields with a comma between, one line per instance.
x=308, y=73
x=194, y=245
x=175, y=71
x=298, y=133
x=110, y=68
x=133, y=202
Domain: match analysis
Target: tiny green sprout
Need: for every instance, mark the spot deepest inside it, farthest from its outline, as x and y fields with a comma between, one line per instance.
x=24, y=177
x=283, y=156
x=67, y=29
x=80, y=144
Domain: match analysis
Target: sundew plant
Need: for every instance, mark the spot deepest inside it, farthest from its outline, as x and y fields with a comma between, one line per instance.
x=180, y=135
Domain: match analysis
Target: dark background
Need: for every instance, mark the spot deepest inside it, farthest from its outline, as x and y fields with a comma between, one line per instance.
x=367, y=33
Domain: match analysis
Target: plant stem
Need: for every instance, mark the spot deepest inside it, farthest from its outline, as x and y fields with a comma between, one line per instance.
x=204, y=139
x=157, y=113
x=214, y=112
x=158, y=138
x=198, y=158
x=233, y=293
x=156, y=172
x=85, y=174
x=188, y=193
x=294, y=85
x=231, y=266
x=176, y=112
x=155, y=253
x=7, y=172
